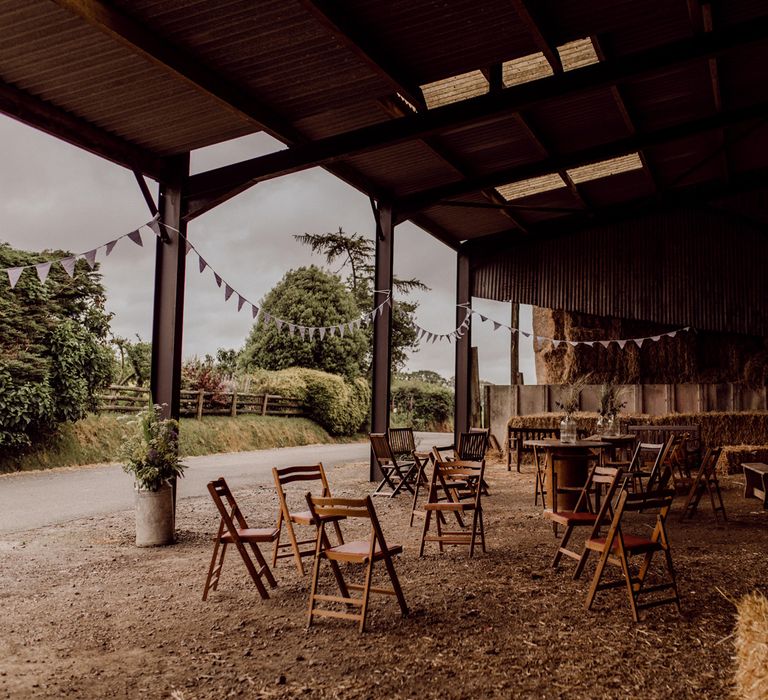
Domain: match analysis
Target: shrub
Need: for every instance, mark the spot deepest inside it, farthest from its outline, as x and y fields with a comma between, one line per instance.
x=423, y=405
x=339, y=405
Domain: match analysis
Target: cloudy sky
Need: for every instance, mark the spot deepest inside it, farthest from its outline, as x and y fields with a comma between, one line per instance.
x=57, y=196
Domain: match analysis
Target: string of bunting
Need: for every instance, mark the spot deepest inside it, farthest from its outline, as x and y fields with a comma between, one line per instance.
x=306, y=332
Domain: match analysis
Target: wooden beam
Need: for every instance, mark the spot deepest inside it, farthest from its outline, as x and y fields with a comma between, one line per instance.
x=462, y=373
x=473, y=111
x=534, y=27
x=714, y=76
x=54, y=121
x=546, y=166
x=123, y=29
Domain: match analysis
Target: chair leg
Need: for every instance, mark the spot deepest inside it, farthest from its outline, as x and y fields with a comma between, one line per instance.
x=263, y=564
x=596, y=577
x=630, y=588
x=389, y=564
x=279, y=528
x=561, y=545
x=252, y=569
x=424, y=531
x=482, y=530
x=474, y=532
x=313, y=585
x=212, y=568
x=366, y=595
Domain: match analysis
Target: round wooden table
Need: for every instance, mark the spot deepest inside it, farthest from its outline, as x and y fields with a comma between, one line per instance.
x=570, y=461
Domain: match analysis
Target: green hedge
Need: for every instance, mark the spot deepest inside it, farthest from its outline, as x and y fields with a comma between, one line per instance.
x=339, y=405
x=423, y=405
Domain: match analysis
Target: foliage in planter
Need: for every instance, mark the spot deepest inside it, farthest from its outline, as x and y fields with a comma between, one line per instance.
x=339, y=405
x=150, y=451
x=422, y=405
x=53, y=350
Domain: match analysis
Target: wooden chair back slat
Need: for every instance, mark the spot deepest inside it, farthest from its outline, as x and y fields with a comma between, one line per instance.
x=473, y=445
x=401, y=441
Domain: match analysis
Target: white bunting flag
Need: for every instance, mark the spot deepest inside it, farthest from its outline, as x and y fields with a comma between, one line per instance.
x=110, y=246
x=135, y=236
x=621, y=343
x=254, y=311
x=13, y=275
x=291, y=328
x=655, y=338
x=605, y=343
x=240, y=302
x=340, y=329
x=217, y=277
x=302, y=331
x=672, y=334
x=279, y=323
x=639, y=342
x=201, y=263
x=556, y=342
x=228, y=291
x=311, y=332
x=351, y=326
x=42, y=270
x=69, y=265
x=90, y=258
x=321, y=331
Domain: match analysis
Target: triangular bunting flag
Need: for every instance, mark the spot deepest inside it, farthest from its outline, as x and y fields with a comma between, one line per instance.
x=322, y=332
x=228, y=291
x=655, y=338
x=187, y=247
x=351, y=326
x=90, y=258
x=291, y=328
x=525, y=333
x=496, y=325
x=69, y=265
x=639, y=342
x=240, y=302
x=621, y=343
x=279, y=323
x=154, y=225
x=311, y=331
x=573, y=343
x=254, y=311
x=340, y=328
x=201, y=263
x=302, y=331
x=605, y=343
x=556, y=342
x=42, y=271
x=110, y=246
x=483, y=319
x=266, y=318
x=135, y=236
x=672, y=334
x=13, y=275
x=217, y=277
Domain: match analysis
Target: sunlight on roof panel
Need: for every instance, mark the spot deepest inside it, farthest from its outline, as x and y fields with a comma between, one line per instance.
x=525, y=69
x=454, y=89
x=605, y=168
x=576, y=54
x=535, y=185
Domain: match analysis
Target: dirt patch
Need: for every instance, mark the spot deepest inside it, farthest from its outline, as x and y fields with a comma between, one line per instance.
x=87, y=615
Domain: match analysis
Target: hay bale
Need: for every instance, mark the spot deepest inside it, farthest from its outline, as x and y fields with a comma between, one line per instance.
x=752, y=647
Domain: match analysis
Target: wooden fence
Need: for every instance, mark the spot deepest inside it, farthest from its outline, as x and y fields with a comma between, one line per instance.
x=128, y=399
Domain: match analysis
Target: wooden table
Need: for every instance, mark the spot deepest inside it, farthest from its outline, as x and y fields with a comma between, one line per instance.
x=756, y=481
x=618, y=443
x=571, y=465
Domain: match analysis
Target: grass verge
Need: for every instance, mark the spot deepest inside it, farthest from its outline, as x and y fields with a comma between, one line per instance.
x=97, y=438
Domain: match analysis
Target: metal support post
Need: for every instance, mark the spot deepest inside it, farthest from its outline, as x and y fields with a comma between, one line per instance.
x=382, y=326
x=463, y=374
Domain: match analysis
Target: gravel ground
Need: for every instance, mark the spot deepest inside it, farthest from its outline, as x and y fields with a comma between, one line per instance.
x=88, y=615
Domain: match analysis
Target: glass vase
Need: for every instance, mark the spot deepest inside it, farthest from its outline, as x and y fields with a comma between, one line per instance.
x=568, y=429
x=601, y=425
x=611, y=426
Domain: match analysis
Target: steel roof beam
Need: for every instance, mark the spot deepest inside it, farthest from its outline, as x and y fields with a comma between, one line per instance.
x=595, y=154
x=474, y=111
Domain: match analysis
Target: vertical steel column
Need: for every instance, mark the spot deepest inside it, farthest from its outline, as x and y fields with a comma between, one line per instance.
x=463, y=373
x=382, y=326
x=170, y=268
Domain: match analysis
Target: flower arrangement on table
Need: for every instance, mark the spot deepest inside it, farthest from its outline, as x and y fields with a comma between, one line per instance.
x=570, y=403
x=610, y=407
x=150, y=452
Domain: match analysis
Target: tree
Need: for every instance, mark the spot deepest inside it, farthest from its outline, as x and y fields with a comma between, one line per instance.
x=53, y=347
x=133, y=361
x=310, y=297
x=357, y=253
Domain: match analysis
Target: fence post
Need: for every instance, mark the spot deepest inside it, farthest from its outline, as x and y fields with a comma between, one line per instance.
x=200, y=402
x=264, y=405
x=233, y=410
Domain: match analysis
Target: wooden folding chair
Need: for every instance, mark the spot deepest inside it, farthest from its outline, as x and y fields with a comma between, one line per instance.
x=396, y=476
x=539, y=488
x=364, y=552
x=473, y=445
x=448, y=476
x=233, y=529
x=705, y=481
x=618, y=546
x=284, y=476
x=649, y=461
x=588, y=512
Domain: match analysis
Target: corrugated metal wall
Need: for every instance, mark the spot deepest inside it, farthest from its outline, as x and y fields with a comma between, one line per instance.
x=696, y=267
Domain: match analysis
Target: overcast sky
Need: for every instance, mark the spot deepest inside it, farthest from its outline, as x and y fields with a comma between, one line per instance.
x=57, y=196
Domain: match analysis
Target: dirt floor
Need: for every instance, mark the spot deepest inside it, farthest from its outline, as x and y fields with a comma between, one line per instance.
x=85, y=614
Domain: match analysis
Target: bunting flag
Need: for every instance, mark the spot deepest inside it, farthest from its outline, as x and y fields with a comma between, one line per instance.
x=135, y=236
x=90, y=258
x=13, y=275
x=201, y=263
x=110, y=246
x=228, y=291
x=254, y=310
x=42, y=271
x=240, y=302
x=69, y=265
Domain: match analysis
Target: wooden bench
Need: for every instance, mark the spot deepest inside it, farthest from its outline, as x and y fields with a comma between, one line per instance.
x=756, y=481
x=660, y=434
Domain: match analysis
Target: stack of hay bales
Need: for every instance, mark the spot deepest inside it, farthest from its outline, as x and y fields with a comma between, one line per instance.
x=752, y=647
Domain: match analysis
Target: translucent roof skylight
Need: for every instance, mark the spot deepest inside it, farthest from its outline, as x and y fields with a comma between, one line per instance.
x=454, y=89
x=604, y=168
x=534, y=185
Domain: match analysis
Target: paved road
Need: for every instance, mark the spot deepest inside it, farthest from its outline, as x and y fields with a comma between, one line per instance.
x=34, y=499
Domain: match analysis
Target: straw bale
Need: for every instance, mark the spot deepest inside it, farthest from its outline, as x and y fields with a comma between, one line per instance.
x=752, y=647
